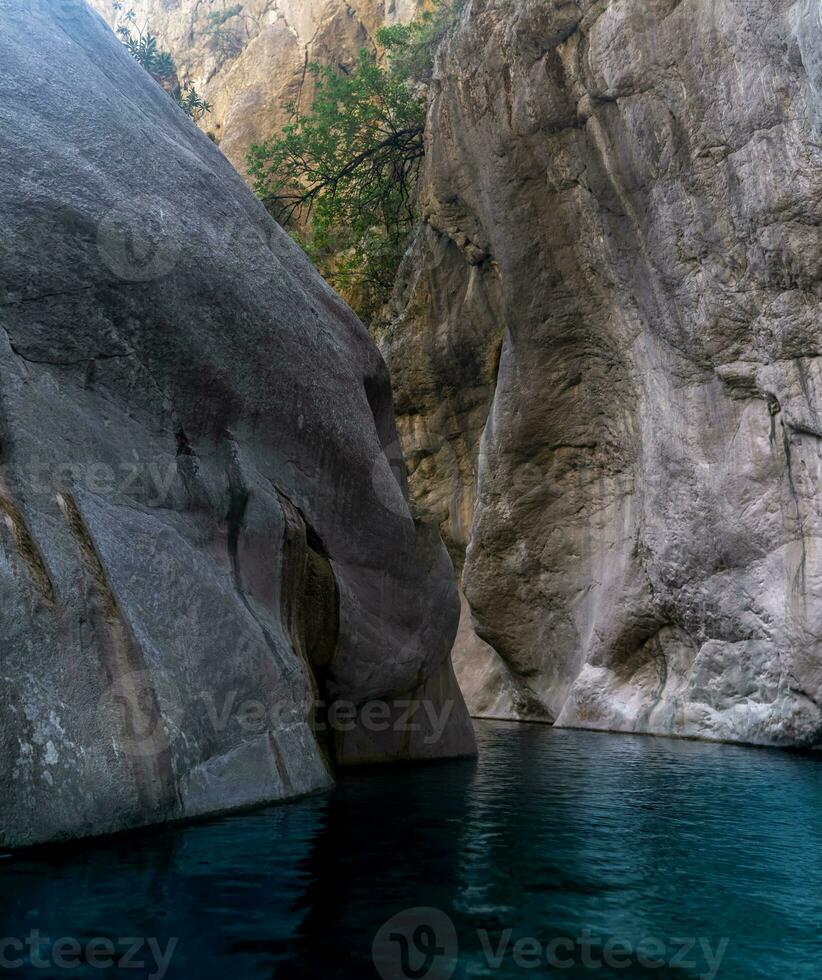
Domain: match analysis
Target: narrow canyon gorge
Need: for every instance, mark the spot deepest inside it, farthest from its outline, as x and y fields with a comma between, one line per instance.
x=604, y=351
x=579, y=454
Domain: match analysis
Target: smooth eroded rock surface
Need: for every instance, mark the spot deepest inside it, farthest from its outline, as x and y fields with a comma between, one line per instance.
x=628, y=193
x=205, y=528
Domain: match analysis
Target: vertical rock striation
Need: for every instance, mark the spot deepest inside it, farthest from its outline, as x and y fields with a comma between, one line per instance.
x=205, y=535
x=627, y=194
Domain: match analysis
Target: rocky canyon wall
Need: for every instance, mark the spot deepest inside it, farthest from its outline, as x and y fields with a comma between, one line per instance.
x=251, y=59
x=606, y=352
x=603, y=342
x=205, y=537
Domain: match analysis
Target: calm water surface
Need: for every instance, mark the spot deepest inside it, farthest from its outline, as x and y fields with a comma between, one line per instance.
x=599, y=844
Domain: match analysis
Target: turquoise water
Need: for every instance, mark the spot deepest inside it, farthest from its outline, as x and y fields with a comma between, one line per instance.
x=604, y=855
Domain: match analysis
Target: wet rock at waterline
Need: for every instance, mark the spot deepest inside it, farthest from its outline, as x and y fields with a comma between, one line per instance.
x=622, y=256
x=205, y=544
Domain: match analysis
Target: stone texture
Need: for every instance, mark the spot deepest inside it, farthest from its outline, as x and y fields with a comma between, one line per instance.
x=204, y=524
x=254, y=63
x=442, y=338
x=629, y=193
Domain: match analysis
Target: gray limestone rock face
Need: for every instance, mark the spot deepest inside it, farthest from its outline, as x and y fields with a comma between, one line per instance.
x=637, y=184
x=205, y=536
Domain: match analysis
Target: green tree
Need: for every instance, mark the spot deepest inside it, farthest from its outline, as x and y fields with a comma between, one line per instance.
x=343, y=176
x=226, y=41
x=142, y=46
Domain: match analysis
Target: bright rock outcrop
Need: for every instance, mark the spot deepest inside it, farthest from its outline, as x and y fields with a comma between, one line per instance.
x=618, y=285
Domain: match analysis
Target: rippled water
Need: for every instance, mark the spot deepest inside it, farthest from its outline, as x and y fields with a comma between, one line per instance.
x=596, y=849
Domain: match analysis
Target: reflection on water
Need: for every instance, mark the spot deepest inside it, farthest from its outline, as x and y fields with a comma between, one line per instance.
x=604, y=854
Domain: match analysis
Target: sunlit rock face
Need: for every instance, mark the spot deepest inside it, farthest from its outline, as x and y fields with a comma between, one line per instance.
x=251, y=59
x=204, y=522
x=628, y=195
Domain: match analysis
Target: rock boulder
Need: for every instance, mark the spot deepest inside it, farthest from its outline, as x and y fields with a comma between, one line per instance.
x=206, y=544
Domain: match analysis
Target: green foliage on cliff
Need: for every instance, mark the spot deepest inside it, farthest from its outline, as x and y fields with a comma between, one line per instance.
x=343, y=176
x=411, y=47
x=142, y=46
x=218, y=17
x=226, y=41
